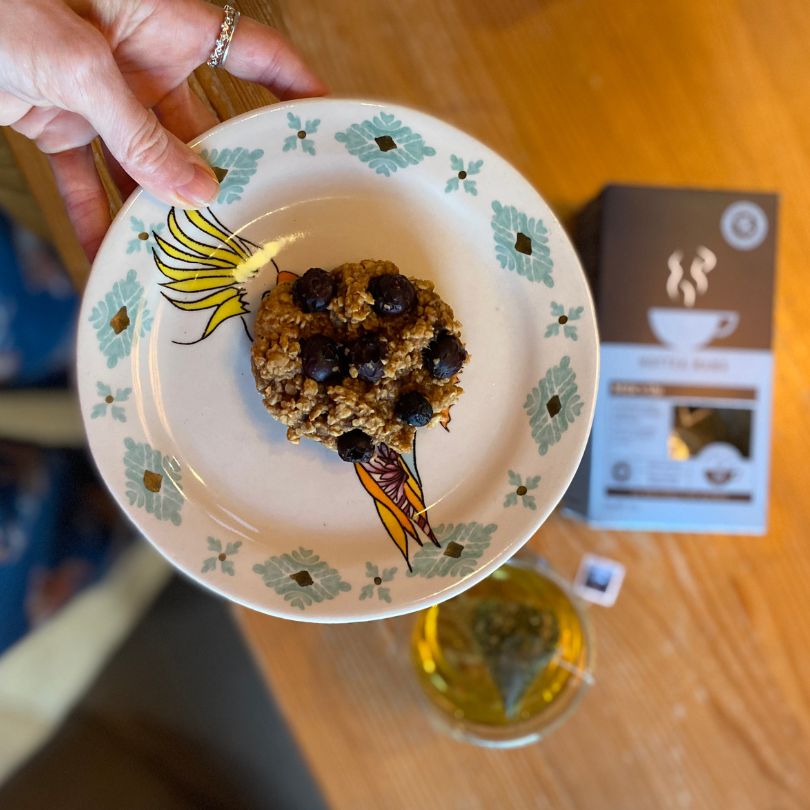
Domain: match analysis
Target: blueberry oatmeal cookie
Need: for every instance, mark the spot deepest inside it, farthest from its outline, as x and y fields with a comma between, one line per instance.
x=357, y=356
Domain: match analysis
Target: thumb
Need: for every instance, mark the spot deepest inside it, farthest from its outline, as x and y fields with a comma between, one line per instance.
x=149, y=153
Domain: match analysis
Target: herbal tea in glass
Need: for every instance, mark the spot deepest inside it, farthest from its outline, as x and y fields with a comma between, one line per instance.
x=508, y=659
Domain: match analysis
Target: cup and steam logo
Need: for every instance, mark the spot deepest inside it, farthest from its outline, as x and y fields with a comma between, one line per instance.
x=683, y=327
x=686, y=288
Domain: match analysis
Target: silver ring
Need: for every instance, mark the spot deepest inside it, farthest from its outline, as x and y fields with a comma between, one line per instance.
x=223, y=43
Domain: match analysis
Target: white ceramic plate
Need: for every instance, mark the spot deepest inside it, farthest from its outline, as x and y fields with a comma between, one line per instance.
x=180, y=434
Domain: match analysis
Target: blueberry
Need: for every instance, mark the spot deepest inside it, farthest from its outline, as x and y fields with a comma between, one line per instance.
x=393, y=294
x=444, y=356
x=355, y=446
x=313, y=291
x=414, y=409
x=322, y=359
x=367, y=355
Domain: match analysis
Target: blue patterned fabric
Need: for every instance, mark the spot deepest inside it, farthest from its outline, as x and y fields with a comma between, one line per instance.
x=58, y=526
x=38, y=309
x=58, y=532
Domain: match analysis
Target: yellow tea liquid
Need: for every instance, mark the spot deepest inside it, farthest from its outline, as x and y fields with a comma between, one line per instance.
x=503, y=652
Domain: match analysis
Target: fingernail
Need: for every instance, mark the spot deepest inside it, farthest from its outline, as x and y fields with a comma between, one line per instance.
x=200, y=190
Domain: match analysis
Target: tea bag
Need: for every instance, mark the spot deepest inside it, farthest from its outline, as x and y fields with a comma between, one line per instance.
x=517, y=642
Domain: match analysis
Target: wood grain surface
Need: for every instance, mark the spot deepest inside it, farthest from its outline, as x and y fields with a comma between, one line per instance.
x=702, y=697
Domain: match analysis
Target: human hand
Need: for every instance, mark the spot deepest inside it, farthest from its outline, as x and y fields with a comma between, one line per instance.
x=74, y=69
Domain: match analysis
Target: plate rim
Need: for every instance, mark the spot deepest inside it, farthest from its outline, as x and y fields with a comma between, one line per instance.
x=516, y=540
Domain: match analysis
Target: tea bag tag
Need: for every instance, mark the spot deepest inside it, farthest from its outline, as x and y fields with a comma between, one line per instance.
x=599, y=580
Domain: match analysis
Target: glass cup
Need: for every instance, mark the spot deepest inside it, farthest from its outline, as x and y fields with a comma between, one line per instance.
x=507, y=661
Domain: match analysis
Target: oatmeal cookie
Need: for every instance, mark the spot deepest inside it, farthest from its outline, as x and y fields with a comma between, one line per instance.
x=357, y=356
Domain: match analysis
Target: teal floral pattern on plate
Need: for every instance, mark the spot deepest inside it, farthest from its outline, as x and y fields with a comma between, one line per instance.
x=462, y=545
x=377, y=580
x=521, y=244
x=303, y=131
x=118, y=315
x=385, y=144
x=463, y=175
x=302, y=578
x=108, y=400
x=522, y=490
x=553, y=404
x=153, y=481
x=222, y=556
x=240, y=165
x=144, y=236
x=563, y=320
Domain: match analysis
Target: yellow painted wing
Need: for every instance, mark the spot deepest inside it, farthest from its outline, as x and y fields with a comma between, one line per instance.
x=376, y=492
x=412, y=482
x=200, y=248
x=176, y=274
x=214, y=300
x=414, y=500
x=394, y=529
x=194, y=285
x=227, y=303
x=229, y=309
x=174, y=252
x=206, y=226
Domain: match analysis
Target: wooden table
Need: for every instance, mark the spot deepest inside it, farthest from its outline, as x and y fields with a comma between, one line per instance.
x=702, y=697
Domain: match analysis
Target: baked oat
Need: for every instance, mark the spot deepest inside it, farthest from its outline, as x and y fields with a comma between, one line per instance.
x=357, y=356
